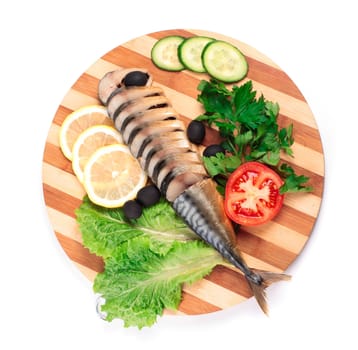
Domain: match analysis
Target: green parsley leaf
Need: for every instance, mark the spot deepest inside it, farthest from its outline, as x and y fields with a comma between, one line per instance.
x=221, y=164
x=248, y=125
x=272, y=109
x=293, y=183
x=242, y=140
x=286, y=139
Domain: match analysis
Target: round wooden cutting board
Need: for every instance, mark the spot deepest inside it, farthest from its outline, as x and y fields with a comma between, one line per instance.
x=273, y=246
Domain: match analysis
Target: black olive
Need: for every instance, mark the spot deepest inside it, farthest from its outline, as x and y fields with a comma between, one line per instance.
x=135, y=78
x=132, y=209
x=148, y=195
x=196, y=132
x=213, y=150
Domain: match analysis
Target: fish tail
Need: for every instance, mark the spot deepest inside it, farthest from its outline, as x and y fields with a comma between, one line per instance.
x=259, y=280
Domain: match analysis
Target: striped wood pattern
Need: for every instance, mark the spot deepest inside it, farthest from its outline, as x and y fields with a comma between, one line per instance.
x=273, y=246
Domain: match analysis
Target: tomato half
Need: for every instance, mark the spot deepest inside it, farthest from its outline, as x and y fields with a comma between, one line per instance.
x=252, y=194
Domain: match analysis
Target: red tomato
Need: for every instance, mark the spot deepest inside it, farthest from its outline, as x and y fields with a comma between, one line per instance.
x=252, y=194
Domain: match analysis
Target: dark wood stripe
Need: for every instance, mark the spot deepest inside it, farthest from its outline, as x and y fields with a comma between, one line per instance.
x=289, y=217
x=295, y=220
x=265, y=251
x=315, y=180
x=61, y=114
x=162, y=34
x=60, y=201
x=303, y=134
x=273, y=77
x=231, y=280
x=306, y=136
x=88, y=85
x=258, y=71
x=179, y=81
x=192, y=305
x=67, y=204
x=78, y=253
x=54, y=156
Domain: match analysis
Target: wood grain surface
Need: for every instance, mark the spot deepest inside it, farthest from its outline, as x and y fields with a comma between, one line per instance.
x=273, y=246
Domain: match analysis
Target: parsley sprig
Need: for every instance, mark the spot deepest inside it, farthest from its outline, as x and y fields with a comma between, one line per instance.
x=248, y=125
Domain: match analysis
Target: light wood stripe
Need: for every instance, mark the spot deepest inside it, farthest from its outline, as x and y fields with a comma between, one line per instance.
x=260, y=66
x=76, y=99
x=257, y=264
x=259, y=56
x=209, y=292
x=67, y=226
x=308, y=136
x=304, y=202
x=168, y=312
x=101, y=67
x=297, y=109
x=272, y=232
x=80, y=254
x=90, y=274
x=60, y=221
x=53, y=134
x=204, y=289
x=271, y=247
x=316, y=179
x=64, y=224
x=306, y=158
x=62, y=180
x=192, y=305
x=303, y=156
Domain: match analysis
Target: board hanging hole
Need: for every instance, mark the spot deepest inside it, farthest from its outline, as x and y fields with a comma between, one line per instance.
x=99, y=302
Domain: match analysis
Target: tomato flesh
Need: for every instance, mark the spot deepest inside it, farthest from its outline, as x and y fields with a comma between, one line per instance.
x=252, y=194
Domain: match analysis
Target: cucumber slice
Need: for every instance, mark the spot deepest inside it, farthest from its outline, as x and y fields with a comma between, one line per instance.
x=190, y=51
x=224, y=61
x=164, y=53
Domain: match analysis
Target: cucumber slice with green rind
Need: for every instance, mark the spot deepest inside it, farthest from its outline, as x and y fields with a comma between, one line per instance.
x=164, y=53
x=190, y=52
x=224, y=61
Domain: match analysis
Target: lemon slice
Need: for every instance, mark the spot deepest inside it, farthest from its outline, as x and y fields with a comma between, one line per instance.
x=78, y=121
x=88, y=142
x=113, y=176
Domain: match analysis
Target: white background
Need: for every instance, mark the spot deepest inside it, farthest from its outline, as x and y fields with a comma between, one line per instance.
x=45, y=47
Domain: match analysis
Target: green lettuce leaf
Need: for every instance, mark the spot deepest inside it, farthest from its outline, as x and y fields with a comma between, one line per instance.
x=104, y=230
x=138, y=284
x=146, y=261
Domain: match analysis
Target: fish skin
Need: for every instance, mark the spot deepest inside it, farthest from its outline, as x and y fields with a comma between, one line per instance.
x=212, y=225
x=202, y=208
